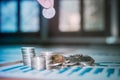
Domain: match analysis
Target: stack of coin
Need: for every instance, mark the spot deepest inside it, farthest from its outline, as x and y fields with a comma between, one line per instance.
x=47, y=56
x=27, y=53
x=38, y=62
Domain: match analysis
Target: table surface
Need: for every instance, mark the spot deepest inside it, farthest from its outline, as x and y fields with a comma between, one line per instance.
x=99, y=53
x=11, y=67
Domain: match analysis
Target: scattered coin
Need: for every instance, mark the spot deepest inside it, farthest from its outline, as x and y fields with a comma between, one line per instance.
x=57, y=58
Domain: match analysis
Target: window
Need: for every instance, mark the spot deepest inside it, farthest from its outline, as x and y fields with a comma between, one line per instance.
x=81, y=18
x=94, y=15
x=19, y=17
x=74, y=18
x=69, y=18
x=29, y=16
x=8, y=17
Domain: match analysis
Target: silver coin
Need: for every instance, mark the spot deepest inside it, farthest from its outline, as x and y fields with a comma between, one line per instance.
x=56, y=64
x=49, y=13
x=69, y=64
x=85, y=64
x=27, y=53
x=47, y=55
x=48, y=59
x=38, y=62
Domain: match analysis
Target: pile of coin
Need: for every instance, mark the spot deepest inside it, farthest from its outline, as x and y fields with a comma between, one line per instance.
x=58, y=61
x=50, y=60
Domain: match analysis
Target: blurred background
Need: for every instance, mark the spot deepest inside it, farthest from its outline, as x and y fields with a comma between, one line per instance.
x=90, y=27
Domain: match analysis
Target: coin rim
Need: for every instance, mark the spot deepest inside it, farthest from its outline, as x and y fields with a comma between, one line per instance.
x=45, y=9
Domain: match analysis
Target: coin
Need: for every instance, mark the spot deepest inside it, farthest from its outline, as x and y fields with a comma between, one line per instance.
x=47, y=56
x=57, y=58
x=49, y=12
x=38, y=62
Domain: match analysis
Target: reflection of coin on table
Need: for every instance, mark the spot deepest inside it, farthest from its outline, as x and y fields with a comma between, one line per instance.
x=49, y=12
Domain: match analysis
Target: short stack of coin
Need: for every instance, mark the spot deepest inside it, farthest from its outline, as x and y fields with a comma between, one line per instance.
x=38, y=62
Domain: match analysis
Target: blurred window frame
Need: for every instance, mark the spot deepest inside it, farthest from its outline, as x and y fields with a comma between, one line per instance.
x=20, y=34
x=55, y=32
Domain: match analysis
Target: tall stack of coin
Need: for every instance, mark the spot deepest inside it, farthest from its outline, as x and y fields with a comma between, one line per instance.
x=38, y=62
x=27, y=53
